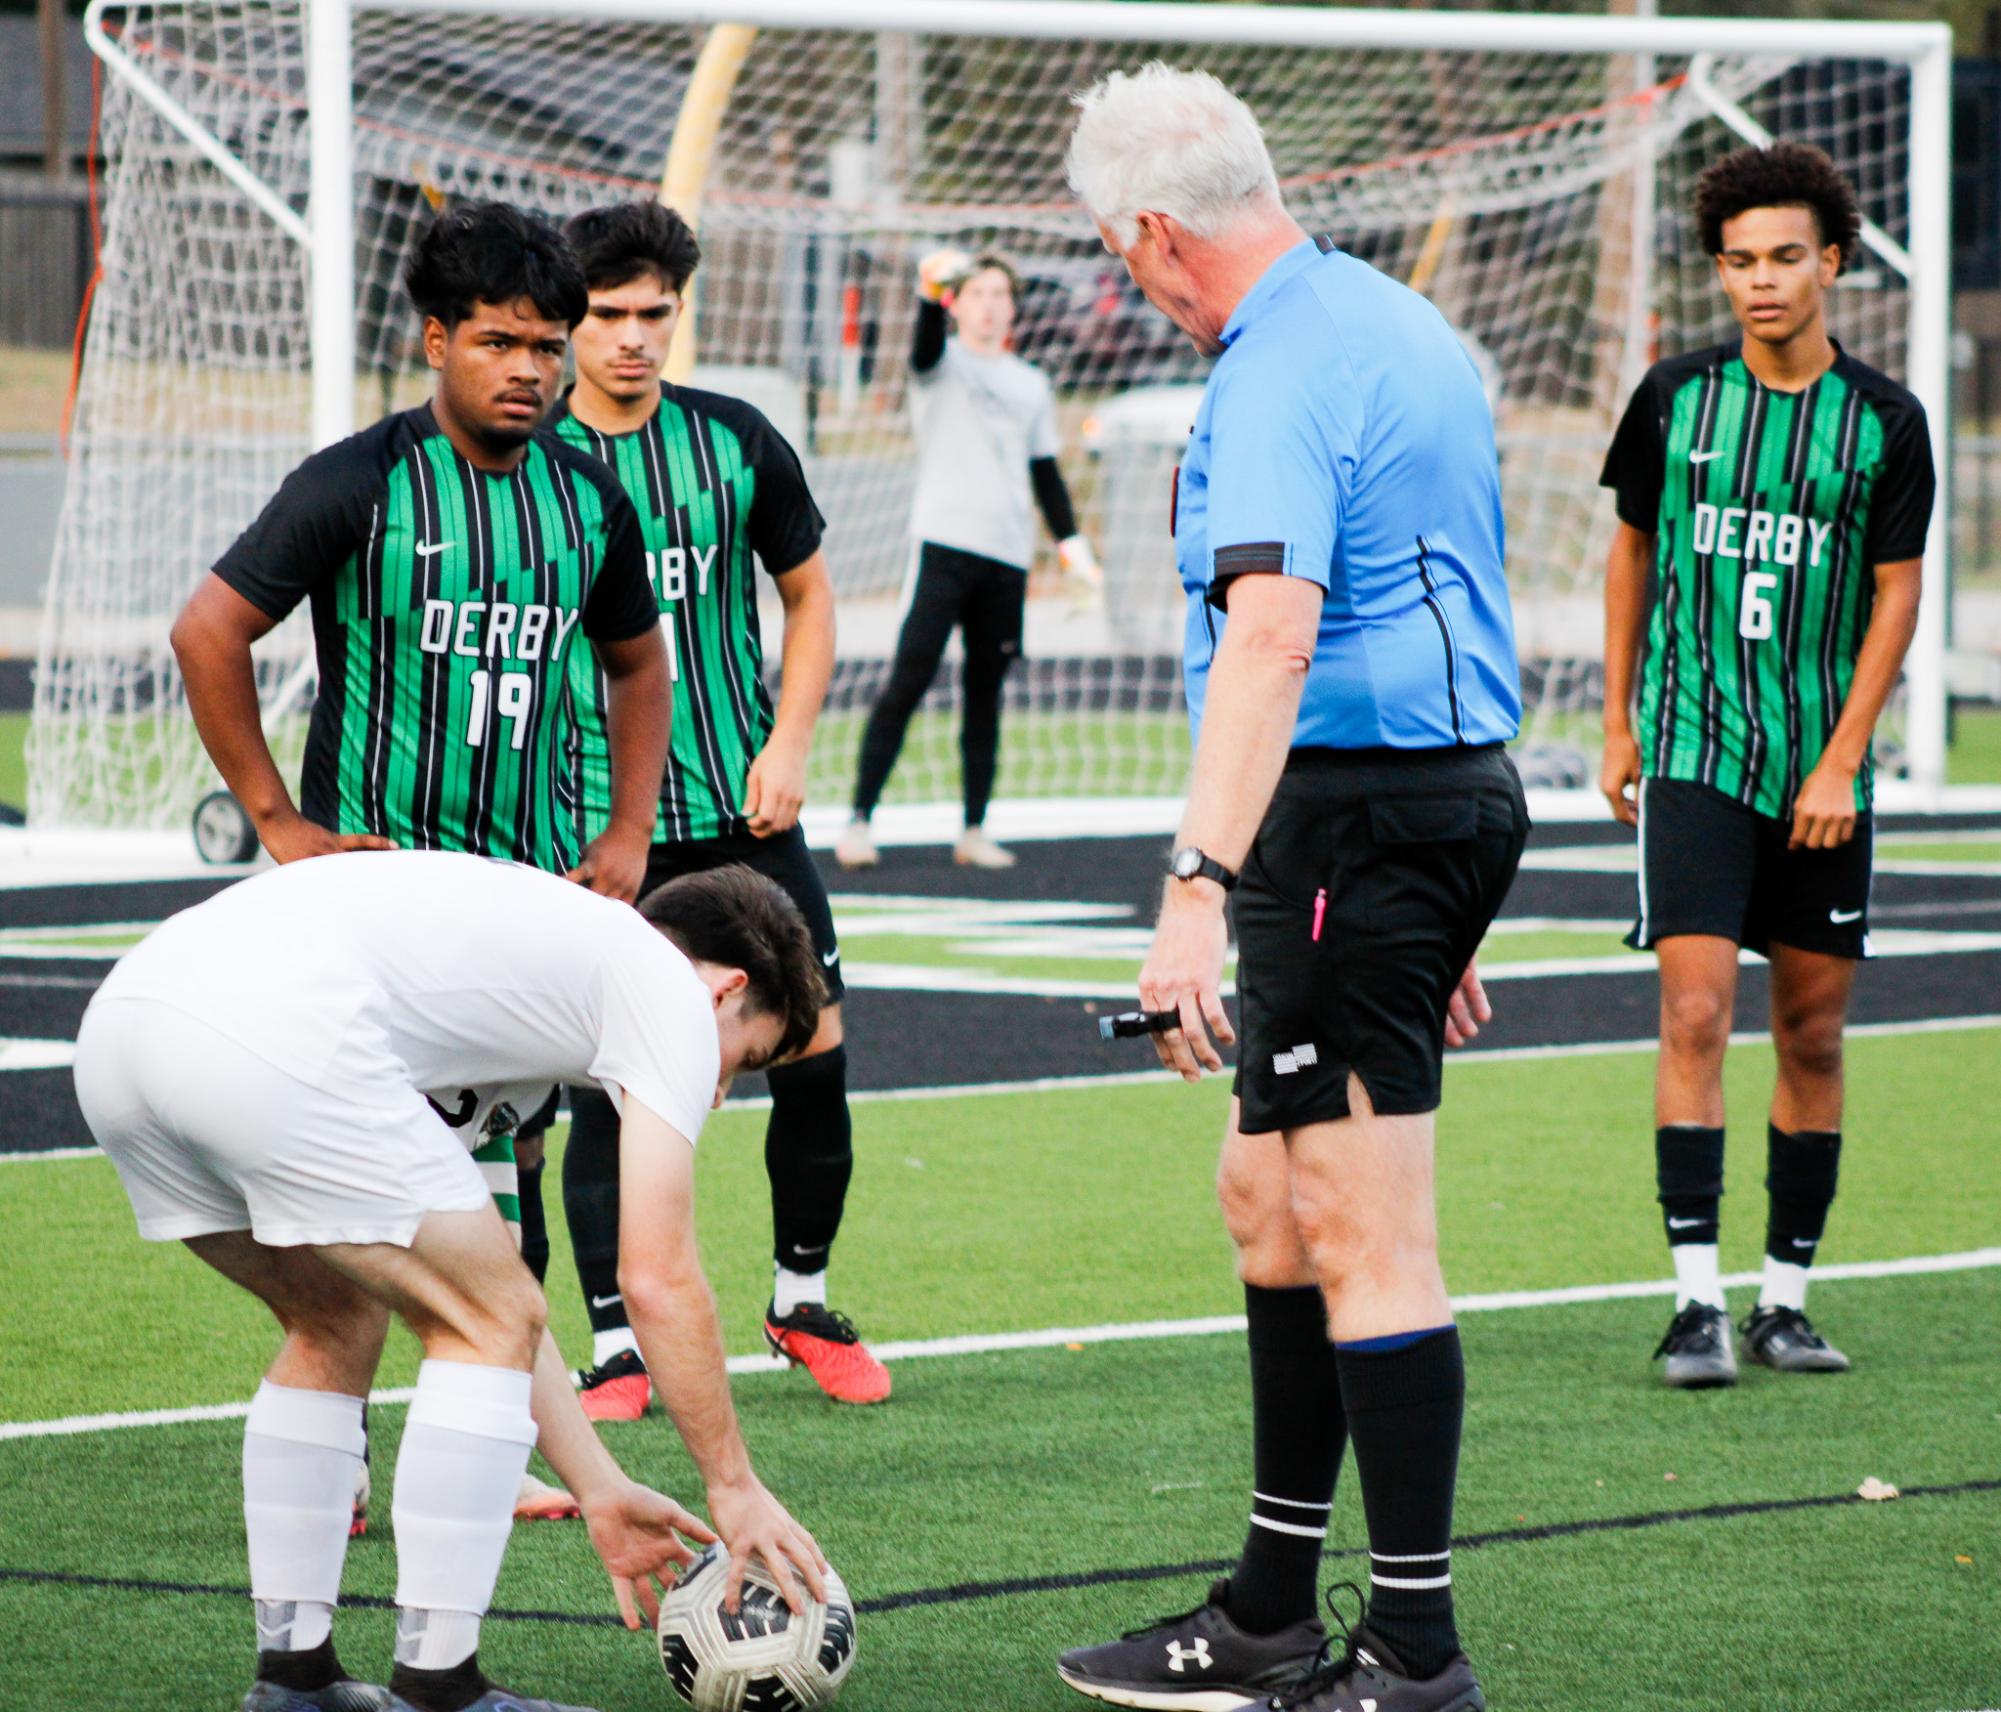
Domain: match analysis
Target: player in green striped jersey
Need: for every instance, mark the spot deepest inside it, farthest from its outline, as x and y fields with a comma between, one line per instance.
x=449, y=555
x=1778, y=491
x=718, y=492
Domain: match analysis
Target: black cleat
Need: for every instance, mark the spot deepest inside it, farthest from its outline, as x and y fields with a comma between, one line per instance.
x=1368, y=1677
x=1697, y=1347
x=463, y=1688
x=1198, y=1661
x=341, y=1696
x=1784, y=1339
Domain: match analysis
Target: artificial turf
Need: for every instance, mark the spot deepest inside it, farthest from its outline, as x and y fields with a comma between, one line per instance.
x=1070, y=1208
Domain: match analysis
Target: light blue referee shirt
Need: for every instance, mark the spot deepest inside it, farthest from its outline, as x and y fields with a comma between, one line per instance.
x=1344, y=437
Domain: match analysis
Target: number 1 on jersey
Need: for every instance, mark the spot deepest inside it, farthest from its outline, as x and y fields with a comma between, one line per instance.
x=517, y=696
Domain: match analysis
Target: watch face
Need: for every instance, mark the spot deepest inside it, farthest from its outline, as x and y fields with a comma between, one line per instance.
x=1187, y=862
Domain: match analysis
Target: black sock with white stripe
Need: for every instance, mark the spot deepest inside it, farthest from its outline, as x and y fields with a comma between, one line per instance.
x=1404, y=1397
x=1298, y=1434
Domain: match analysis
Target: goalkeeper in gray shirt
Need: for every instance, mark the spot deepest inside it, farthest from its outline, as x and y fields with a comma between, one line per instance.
x=986, y=460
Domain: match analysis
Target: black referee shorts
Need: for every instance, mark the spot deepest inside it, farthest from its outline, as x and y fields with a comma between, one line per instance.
x=1710, y=865
x=1371, y=884
x=782, y=857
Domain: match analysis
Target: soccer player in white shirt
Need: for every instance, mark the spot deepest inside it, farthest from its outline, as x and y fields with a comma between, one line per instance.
x=291, y=1078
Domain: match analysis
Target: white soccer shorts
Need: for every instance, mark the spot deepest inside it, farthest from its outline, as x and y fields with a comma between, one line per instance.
x=207, y=1136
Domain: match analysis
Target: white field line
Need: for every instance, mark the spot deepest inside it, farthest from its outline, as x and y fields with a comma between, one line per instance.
x=1063, y=1337
x=23, y=1054
x=1140, y=1078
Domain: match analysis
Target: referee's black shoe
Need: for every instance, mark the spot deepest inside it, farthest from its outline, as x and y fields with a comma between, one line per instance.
x=1367, y=1677
x=1198, y=1661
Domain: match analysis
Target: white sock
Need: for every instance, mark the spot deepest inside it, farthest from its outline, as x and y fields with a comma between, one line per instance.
x=1784, y=1286
x=790, y=1289
x=465, y=1448
x=1697, y=1277
x=605, y=1345
x=301, y=1453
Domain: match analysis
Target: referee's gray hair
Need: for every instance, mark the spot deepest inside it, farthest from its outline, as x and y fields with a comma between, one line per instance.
x=1168, y=142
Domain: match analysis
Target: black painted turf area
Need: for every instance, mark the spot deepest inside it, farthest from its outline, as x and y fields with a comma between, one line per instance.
x=900, y=1039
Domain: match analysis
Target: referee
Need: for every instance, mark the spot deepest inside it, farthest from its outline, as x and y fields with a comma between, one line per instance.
x=1351, y=677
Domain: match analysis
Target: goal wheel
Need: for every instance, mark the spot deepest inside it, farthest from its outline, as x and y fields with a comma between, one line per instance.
x=222, y=830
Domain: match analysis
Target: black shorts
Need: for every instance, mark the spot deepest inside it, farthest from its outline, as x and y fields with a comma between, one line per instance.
x=782, y=857
x=1710, y=865
x=1370, y=886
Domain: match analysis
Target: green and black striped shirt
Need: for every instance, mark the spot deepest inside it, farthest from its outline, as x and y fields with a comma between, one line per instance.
x=713, y=483
x=444, y=602
x=1770, y=511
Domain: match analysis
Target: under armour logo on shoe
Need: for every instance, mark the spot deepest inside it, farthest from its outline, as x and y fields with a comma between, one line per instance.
x=1178, y=1655
x=1302, y=1057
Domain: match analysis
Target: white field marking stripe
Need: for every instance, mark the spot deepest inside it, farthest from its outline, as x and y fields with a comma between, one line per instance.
x=19, y=1054
x=1160, y=1078
x=996, y=1343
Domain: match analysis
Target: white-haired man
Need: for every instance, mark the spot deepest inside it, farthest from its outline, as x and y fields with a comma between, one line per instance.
x=1351, y=678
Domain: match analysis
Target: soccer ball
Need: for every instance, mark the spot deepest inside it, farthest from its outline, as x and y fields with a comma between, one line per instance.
x=758, y=1658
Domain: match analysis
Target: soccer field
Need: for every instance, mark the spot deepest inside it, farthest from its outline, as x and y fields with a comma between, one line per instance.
x=1008, y=1502
x=1044, y=1475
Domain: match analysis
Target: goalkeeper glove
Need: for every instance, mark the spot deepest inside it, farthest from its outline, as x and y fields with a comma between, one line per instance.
x=941, y=273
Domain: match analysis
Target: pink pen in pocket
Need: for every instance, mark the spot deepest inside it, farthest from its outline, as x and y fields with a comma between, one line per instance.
x=1319, y=912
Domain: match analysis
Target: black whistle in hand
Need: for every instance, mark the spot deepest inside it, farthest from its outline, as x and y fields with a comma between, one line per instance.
x=1136, y=1025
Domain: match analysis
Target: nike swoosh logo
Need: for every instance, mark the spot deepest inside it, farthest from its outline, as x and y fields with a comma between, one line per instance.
x=1703, y=457
x=832, y=957
x=426, y=548
x=1839, y=916
x=1683, y=1224
x=606, y=1301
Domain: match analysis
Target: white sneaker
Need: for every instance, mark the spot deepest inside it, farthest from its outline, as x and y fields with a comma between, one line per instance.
x=976, y=849
x=857, y=847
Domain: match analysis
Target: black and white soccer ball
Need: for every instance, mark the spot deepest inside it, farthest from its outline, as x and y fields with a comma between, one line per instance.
x=759, y=1657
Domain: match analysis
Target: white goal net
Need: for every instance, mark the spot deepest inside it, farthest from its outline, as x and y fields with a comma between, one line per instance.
x=1540, y=199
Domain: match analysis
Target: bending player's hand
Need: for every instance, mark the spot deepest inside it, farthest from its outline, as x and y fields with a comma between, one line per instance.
x=1619, y=774
x=1184, y=972
x=753, y=1523
x=774, y=790
x=1824, y=811
x=291, y=837
x=614, y=863
x=643, y=1536
x=1467, y=1009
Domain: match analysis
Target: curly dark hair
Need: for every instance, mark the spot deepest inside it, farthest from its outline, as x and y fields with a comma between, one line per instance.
x=616, y=244
x=736, y=918
x=492, y=252
x=1781, y=175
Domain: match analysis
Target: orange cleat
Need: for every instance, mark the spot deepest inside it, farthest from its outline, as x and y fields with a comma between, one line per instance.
x=828, y=1347
x=618, y=1390
x=538, y=1501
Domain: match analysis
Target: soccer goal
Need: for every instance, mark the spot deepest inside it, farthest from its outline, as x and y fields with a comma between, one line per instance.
x=269, y=163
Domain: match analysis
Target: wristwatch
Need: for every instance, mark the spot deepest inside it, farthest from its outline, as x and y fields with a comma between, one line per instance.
x=1189, y=863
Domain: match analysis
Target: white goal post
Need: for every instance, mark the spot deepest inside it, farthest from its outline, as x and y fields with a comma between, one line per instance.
x=268, y=161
